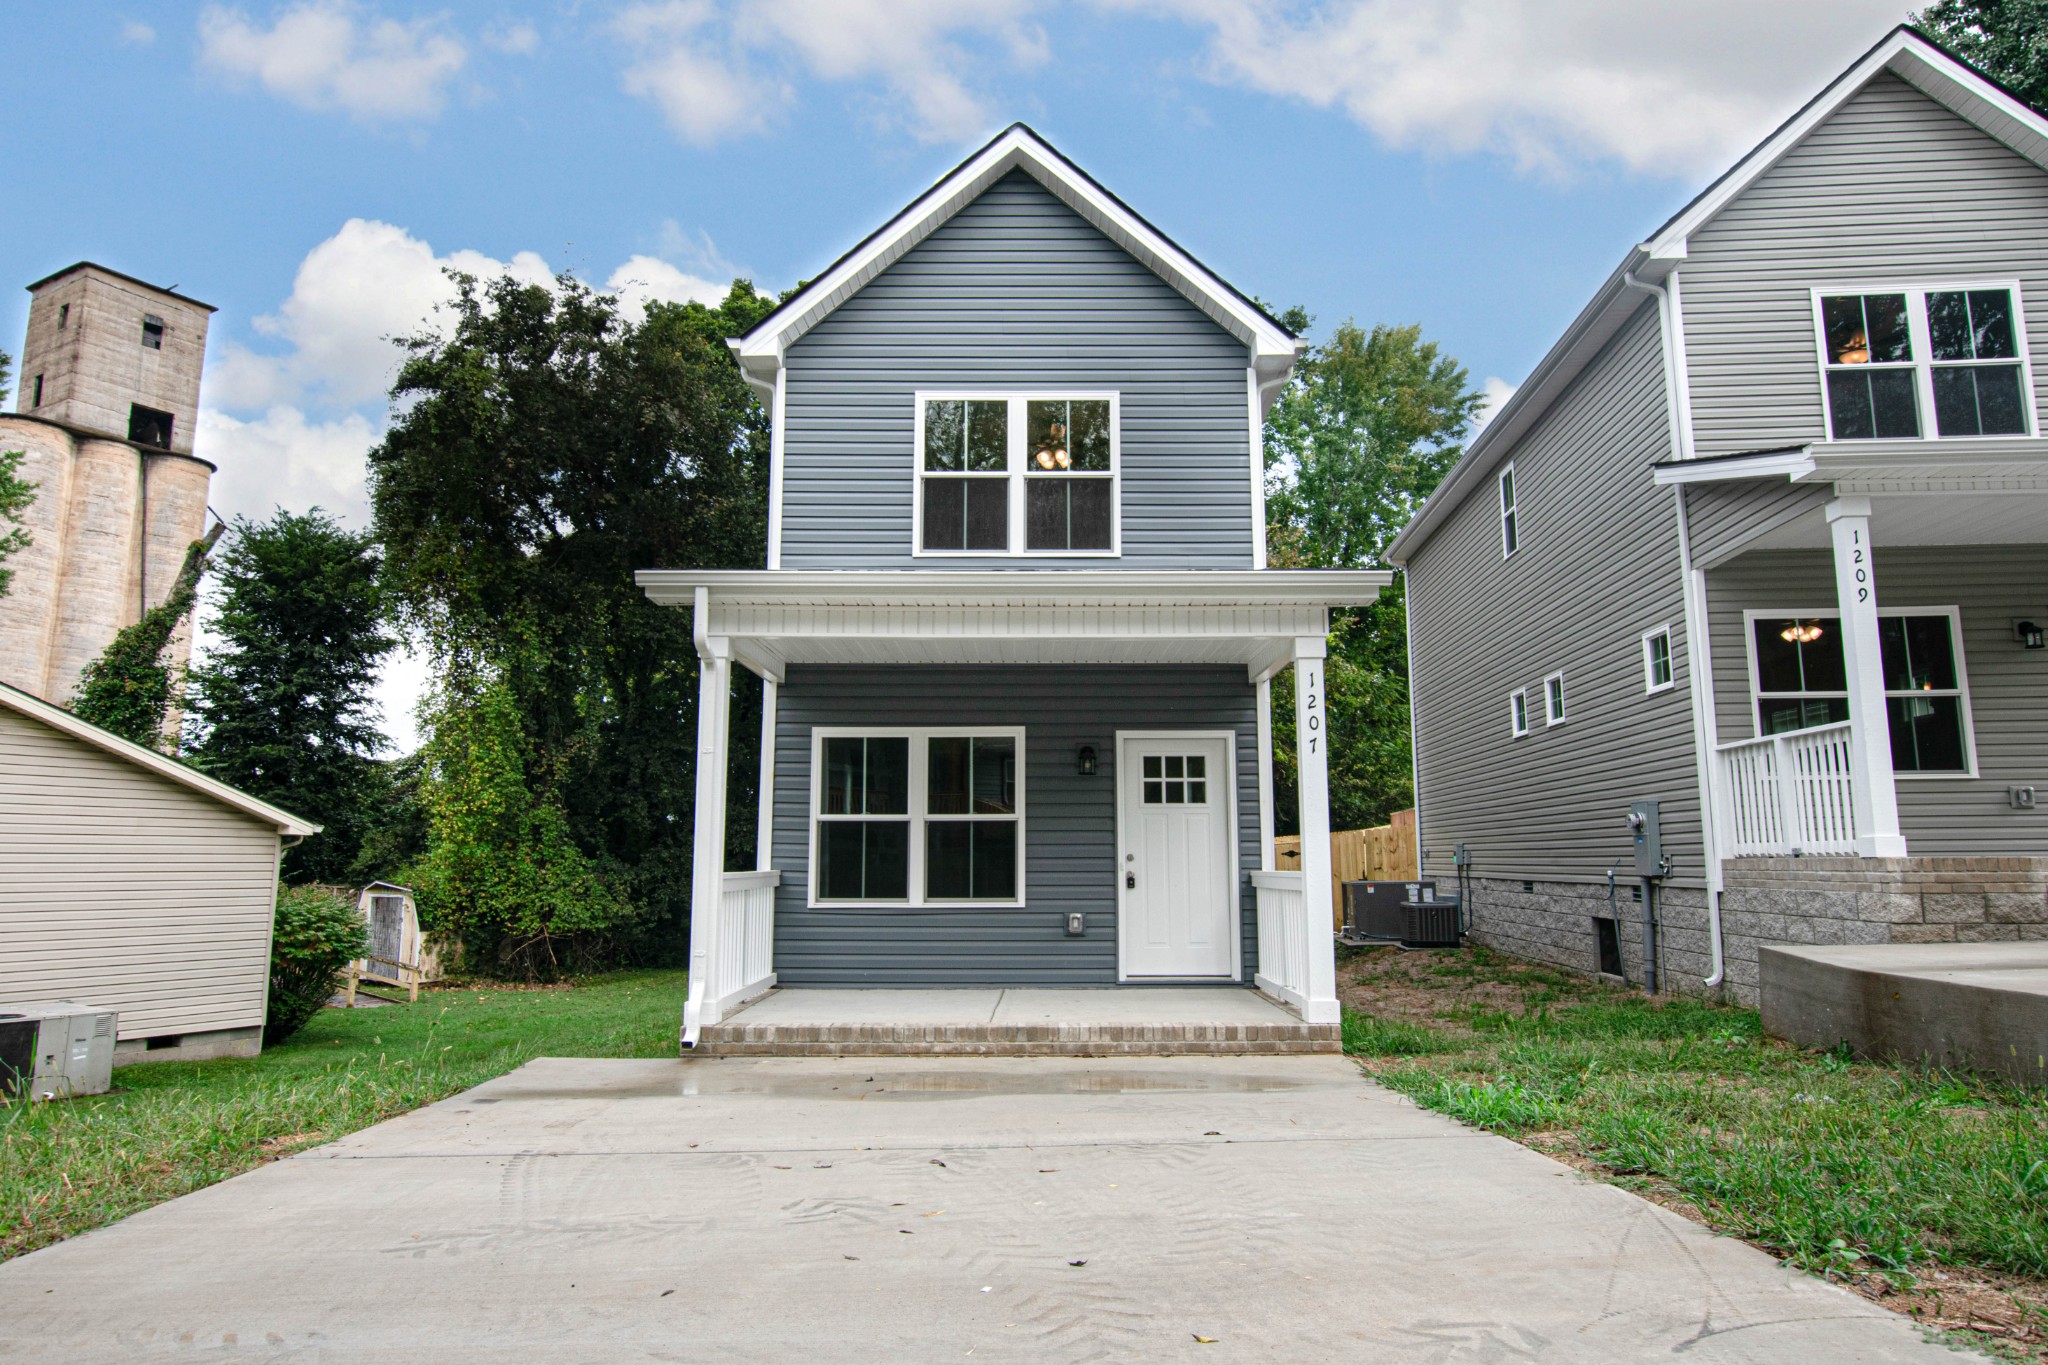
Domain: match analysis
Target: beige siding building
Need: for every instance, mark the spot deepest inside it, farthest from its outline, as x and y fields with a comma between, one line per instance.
x=135, y=884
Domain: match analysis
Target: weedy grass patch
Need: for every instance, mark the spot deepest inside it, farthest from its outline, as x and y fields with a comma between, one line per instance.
x=169, y=1128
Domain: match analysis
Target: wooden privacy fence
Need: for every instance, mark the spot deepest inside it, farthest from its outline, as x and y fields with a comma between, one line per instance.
x=1384, y=853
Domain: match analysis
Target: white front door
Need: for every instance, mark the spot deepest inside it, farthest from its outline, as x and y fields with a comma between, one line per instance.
x=1175, y=865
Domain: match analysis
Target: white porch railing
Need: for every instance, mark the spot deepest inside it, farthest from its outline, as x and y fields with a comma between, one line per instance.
x=1283, y=936
x=1789, y=793
x=746, y=938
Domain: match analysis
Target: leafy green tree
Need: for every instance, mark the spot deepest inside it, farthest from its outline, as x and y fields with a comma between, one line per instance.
x=544, y=449
x=130, y=687
x=316, y=935
x=1365, y=430
x=2007, y=39
x=16, y=493
x=283, y=710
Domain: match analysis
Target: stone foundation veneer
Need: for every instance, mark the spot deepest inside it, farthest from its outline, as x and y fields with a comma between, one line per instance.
x=1772, y=900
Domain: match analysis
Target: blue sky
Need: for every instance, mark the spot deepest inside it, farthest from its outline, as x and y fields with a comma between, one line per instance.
x=1473, y=165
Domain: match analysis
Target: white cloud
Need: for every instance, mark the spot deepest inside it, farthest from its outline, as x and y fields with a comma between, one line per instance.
x=514, y=40
x=284, y=459
x=719, y=71
x=1677, y=89
x=354, y=293
x=644, y=278
x=1498, y=391
x=138, y=33
x=329, y=54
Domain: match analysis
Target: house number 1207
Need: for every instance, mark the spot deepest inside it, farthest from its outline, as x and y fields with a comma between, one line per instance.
x=1312, y=702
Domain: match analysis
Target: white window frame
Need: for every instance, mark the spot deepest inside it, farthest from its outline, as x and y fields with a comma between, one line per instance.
x=1016, y=471
x=1509, y=489
x=1518, y=712
x=1555, y=708
x=918, y=817
x=1924, y=365
x=1650, y=683
x=1955, y=634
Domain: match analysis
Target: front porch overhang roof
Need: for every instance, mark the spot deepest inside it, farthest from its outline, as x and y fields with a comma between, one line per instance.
x=770, y=619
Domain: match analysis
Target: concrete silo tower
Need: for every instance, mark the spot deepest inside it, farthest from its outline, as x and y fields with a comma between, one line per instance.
x=106, y=399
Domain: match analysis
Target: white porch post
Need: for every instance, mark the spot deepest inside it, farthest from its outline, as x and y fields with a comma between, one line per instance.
x=707, y=868
x=764, y=825
x=1262, y=691
x=1312, y=779
x=1874, y=792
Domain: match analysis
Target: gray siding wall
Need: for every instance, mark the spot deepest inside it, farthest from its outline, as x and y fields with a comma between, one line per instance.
x=1070, y=820
x=1598, y=566
x=1723, y=517
x=1893, y=187
x=1990, y=585
x=124, y=890
x=1016, y=290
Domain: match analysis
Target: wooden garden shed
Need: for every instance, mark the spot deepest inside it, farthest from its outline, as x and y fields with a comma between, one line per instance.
x=136, y=884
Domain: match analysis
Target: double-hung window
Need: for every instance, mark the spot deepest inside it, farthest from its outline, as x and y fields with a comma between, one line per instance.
x=1518, y=712
x=1553, y=699
x=1017, y=473
x=1800, y=681
x=1657, y=659
x=918, y=817
x=1510, y=532
x=1924, y=361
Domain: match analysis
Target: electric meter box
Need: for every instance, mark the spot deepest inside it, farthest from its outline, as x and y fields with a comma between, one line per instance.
x=53, y=1050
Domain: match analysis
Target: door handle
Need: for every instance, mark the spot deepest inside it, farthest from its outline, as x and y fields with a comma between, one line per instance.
x=1130, y=881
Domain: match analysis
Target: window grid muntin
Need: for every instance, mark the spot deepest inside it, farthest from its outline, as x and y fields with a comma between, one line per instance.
x=917, y=820
x=1924, y=363
x=1016, y=473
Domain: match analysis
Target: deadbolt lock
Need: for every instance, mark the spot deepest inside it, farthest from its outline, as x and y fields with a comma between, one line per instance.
x=1130, y=881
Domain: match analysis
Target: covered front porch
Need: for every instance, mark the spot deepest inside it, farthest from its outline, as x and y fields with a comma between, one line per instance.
x=995, y=784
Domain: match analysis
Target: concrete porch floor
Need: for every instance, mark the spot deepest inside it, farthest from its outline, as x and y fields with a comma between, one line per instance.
x=1123, y=1021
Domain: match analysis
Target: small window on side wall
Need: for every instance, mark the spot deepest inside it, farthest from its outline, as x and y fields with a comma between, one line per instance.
x=153, y=331
x=1518, y=712
x=1510, y=531
x=1553, y=699
x=1657, y=659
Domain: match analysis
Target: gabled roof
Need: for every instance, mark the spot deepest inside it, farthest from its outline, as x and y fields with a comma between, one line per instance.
x=1906, y=53
x=57, y=718
x=1017, y=147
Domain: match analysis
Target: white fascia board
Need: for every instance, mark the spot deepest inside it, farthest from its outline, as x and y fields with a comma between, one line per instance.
x=1794, y=465
x=1080, y=587
x=760, y=351
x=1913, y=59
x=57, y=718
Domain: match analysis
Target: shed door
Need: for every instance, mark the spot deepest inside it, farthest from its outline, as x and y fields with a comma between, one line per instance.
x=1176, y=888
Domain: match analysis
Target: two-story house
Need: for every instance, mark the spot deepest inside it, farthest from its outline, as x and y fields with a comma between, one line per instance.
x=1016, y=627
x=1764, y=539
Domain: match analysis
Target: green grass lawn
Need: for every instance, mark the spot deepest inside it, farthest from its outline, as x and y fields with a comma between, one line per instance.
x=1889, y=1178
x=171, y=1127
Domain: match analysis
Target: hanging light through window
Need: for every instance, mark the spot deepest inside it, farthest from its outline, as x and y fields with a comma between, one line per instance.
x=1800, y=632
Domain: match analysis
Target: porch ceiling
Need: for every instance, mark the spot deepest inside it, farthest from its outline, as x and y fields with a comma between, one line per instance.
x=775, y=618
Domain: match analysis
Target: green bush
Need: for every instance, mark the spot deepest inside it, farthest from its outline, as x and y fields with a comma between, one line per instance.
x=318, y=934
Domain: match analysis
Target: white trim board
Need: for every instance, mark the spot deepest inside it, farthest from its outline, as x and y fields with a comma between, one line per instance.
x=36, y=709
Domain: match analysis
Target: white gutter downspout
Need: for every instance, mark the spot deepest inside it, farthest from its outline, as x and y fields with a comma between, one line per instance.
x=1698, y=649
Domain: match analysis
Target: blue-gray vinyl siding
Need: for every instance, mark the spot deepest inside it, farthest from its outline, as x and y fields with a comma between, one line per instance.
x=1016, y=290
x=1598, y=565
x=1990, y=586
x=1892, y=188
x=1725, y=517
x=1069, y=820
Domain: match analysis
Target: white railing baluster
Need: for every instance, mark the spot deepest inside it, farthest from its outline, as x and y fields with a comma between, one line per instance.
x=1284, y=936
x=746, y=906
x=1789, y=793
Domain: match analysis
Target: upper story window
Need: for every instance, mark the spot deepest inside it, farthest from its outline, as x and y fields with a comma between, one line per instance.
x=1799, y=680
x=1553, y=699
x=1923, y=362
x=152, y=331
x=63, y=315
x=1510, y=537
x=1017, y=473
x=1518, y=712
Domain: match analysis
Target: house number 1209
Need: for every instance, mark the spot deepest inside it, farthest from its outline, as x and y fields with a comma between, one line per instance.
x=1862, y=574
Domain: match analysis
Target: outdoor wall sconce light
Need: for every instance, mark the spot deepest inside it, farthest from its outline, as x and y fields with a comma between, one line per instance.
x=2031, y=634
x=1084, y=760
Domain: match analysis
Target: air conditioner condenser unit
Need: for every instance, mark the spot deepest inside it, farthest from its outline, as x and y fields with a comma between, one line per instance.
x=53, y=1050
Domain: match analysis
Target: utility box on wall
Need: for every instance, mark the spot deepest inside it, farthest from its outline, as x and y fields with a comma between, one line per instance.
x=1649, y=838
x=55, y=1050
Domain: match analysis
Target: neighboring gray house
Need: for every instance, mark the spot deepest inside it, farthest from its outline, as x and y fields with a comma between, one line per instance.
x=136, y=884
x=1016, y=624
x=1783, y=476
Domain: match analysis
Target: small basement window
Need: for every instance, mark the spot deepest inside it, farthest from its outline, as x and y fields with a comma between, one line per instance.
x=152, y=331
x=1607, y=939
x=1518, y=711
x=149, y=427
x=1657, y=659
x=1553, y=699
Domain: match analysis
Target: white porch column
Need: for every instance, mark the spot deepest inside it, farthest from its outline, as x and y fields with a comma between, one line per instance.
x=764, y=823
x=1312, y=779
x=1874, y=791
x=1262, y=691
x=707, y=867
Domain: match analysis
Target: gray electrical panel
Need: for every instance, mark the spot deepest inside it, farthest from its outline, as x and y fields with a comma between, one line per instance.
x=1649, y=838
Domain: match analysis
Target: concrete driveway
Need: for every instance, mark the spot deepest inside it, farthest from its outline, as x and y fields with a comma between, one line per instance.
x=1207, y=1209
